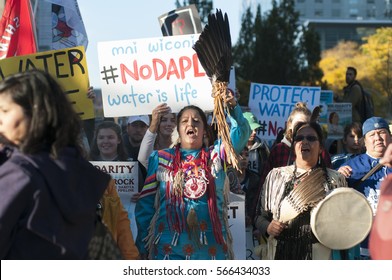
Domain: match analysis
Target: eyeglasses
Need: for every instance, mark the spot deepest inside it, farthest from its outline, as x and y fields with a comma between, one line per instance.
x=309, y=138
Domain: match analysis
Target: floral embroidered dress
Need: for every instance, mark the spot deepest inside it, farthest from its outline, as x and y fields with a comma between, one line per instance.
x=190, y=223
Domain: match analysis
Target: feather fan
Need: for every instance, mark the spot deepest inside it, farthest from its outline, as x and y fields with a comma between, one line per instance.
x=304, y=196
x=213, y=49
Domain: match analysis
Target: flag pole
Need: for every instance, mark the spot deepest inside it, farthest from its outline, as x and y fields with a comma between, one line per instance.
x=33, y=23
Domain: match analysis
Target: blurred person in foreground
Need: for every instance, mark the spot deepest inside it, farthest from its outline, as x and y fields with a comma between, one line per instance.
x=380, y=240
x=49, y=191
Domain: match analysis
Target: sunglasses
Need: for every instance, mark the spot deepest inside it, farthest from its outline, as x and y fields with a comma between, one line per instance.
x=309, y=138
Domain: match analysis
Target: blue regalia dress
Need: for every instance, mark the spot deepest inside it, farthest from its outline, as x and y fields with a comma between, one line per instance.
x=188, y=223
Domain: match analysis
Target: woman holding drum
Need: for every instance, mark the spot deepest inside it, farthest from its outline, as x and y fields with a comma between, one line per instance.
x=291, y=192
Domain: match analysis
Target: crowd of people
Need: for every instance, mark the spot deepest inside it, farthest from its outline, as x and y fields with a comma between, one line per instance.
x=50, y=191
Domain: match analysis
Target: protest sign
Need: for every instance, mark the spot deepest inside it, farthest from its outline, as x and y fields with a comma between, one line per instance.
x=236, y=217
x=272, y=104
x=67, y=66
x=184, y=20
x=256, y=246
x=125, y=175
x=137, y=75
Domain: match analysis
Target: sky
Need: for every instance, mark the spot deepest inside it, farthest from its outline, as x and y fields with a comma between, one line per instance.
x=136, y=19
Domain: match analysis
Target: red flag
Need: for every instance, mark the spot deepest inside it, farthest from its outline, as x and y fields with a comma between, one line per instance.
x=17, y=32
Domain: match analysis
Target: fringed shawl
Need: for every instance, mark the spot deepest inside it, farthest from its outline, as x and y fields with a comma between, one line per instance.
x=274, y=187
x=296, y=241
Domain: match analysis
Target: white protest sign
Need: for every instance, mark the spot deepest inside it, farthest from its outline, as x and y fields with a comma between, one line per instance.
x=272, y=104
x=137, y=75
x=236, y=217
x=125, y=175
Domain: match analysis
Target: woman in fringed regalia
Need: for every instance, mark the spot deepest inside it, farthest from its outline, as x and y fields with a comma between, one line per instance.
x=289, y=193
x=182, y=209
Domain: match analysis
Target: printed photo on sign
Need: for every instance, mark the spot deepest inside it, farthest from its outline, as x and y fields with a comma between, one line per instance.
x=184, y=20
x=326, y=97
x=137, y=75
x=339, y=115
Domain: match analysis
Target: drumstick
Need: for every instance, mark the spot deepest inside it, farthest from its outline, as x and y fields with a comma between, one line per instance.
x=371, y=172
x=367, y=175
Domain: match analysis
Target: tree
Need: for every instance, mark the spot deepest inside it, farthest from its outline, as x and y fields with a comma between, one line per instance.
x=204, y=7
x=334, y=63
x=373, y=61
x=244, y=49
x=243, y=54
x=284, y=51
x=269, y=49
x=378, y=51
x=310, y=58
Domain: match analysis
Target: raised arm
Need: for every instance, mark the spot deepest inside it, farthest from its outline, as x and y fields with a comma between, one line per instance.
x=147, y=145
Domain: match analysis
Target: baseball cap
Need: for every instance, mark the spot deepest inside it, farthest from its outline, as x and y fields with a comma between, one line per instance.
x=254, y=124
x=141, y=118
x=374, y=123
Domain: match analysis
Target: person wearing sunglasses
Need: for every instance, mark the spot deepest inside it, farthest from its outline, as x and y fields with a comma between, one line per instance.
x=294, y=239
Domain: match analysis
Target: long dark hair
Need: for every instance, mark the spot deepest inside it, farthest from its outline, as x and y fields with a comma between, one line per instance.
x=94, y=151
x=331, y=116
x=203, y=116
x=52, y=121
